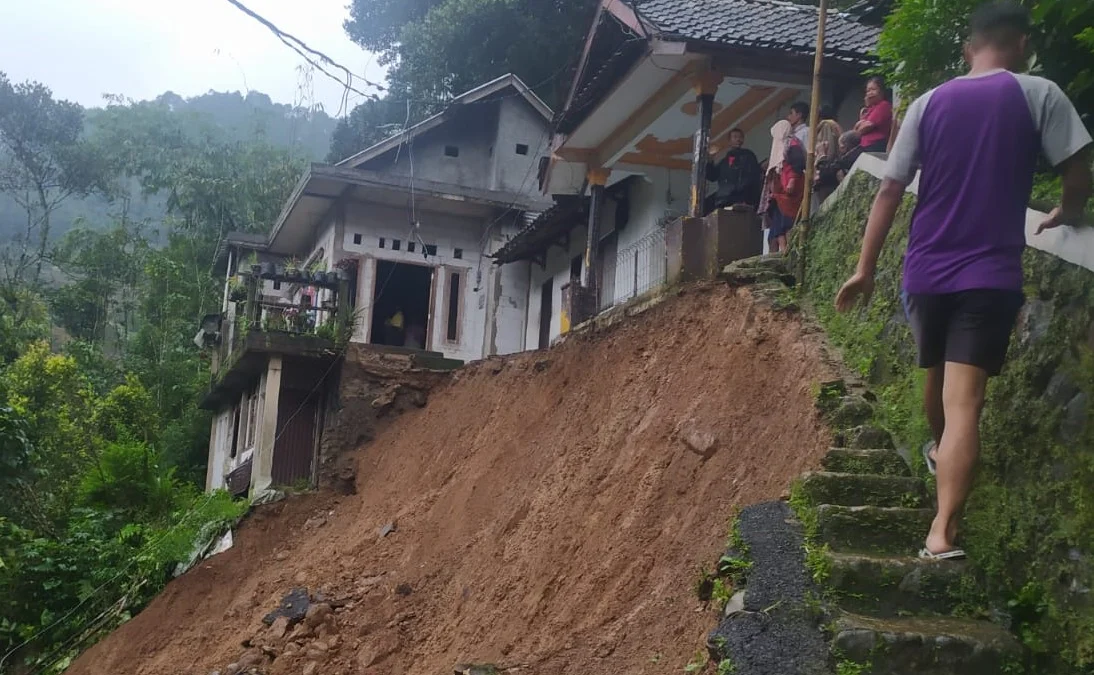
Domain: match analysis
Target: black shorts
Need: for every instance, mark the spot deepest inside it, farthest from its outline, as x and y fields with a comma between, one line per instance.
x=970, y=327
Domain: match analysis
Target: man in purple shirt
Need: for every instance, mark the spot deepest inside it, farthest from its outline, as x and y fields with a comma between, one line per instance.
x=976, y=139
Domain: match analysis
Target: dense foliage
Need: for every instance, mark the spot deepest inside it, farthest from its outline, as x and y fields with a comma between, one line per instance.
x=102, y=445
x=922, y=42
x=438, y=49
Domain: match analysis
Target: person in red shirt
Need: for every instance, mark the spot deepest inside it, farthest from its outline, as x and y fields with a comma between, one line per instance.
x=788, y=188
x=876, y=119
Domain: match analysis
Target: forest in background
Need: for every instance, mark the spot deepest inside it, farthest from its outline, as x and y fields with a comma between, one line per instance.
x=108, y=234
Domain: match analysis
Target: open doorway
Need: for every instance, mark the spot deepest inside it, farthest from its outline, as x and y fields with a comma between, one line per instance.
x=404, y=289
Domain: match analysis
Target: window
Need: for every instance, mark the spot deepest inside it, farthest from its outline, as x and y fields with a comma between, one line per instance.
x=277, y=285
x=522, y=148
x=410, y=246
x=431, y=249
x=381, y=242
x=451, y=151
x=396, y=244
x=235, y=434
x=252, y=420
x=357, y=238
x=458, y=254
x=454, y=307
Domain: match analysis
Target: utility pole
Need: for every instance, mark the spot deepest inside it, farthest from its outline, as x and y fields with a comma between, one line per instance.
x=814, y=119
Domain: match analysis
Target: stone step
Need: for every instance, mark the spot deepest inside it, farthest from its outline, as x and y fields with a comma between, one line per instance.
x=858, y=489
x=894, y=586
x=924, y=645
x=850, y=460
x=873, y=529
x=436, y=363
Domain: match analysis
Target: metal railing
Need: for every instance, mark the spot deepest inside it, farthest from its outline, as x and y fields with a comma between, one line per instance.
x=641, y=267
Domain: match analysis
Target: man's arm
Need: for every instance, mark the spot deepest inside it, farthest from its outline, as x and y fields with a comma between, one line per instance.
x=1067, y=145
x=899, y=171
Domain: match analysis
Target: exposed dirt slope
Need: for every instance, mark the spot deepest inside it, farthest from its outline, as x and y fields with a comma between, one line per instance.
x=549, y=514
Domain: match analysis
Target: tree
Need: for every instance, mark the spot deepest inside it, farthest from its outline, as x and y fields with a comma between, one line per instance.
x=440, y=48
x=43, y=162
x=922, y=42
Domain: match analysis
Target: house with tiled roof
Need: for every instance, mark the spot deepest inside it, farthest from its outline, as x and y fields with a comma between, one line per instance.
x=659, y=82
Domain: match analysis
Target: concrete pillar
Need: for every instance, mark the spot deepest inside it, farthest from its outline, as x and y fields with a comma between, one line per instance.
x=706, y=86
x=584, y=300
x=262, y=459
x=214, y=456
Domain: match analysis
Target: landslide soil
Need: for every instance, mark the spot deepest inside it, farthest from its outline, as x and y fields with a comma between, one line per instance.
x=549, y=514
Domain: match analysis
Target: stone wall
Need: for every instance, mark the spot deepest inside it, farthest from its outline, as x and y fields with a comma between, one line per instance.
x=372, y=388
x=1029, y=528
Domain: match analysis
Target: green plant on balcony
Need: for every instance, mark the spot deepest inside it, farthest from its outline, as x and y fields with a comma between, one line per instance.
x=237, y=290
x=292, y=268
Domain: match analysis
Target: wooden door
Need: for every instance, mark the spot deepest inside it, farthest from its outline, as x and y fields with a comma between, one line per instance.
x=294, y=449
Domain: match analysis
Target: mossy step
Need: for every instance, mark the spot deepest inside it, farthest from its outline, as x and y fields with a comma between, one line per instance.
x=873, y=529
x=851, y=460
x=437, y=363
x=894, y=586
x=858, y=489
x=924, y=645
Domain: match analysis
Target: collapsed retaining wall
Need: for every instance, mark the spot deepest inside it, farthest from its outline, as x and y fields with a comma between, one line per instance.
x=1029, y=527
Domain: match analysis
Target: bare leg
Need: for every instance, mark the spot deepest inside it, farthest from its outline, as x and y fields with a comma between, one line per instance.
x=932, y=402
x=962, y=400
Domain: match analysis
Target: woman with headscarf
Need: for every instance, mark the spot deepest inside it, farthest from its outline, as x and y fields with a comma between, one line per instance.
x=876, y=119
x=780, y=137
x=785, y=185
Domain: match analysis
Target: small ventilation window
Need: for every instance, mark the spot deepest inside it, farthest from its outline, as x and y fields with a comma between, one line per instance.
x=410, y=246
x=357, y=238
x=277, y=285
x=396, y=244
x=522, y=148
x=458, y=254
x=382, y=242
x=451, y=151
x=431, y=249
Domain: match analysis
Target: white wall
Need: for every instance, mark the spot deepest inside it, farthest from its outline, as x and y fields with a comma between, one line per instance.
x=518, y=122
x=447, y=232
x=558, y=269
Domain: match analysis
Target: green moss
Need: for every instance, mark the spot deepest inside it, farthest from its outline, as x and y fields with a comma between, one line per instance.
x=1029, y=525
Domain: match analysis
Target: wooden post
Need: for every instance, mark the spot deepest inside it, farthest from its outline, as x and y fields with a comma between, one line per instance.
x=598, y=179
x=706, y=86
x=814, y=117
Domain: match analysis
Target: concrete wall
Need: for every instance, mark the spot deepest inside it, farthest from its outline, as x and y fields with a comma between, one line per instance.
x=472, y=132
x=518, y=123
x=558, y=270
x=448, y=233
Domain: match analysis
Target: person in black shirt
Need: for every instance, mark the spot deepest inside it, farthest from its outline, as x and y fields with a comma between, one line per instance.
x=738, y=176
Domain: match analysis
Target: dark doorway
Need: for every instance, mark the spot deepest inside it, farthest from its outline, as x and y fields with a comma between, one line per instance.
x=401, y=289
x=545, y=312
x=294, y=448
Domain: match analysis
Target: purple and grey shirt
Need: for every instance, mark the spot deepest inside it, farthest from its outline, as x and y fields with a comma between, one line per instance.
x=977, y=138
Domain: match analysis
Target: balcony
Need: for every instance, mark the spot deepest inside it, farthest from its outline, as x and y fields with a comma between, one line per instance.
x=256, y=328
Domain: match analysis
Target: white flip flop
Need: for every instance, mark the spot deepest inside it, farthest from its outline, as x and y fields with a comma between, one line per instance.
x=955, y=554
x=932, y=466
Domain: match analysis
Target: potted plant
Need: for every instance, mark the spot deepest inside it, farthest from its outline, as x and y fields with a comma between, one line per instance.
x=237, y=291
x=292, y=268
x=252, y=263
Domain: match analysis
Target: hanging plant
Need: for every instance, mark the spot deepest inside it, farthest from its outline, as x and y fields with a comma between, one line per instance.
x=237, y=291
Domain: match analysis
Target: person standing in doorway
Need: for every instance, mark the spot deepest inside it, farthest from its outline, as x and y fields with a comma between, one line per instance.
x=976, y=139
x=876, y=119
x=393, y=327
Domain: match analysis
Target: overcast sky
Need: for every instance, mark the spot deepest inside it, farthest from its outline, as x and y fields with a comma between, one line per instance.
x=83, y=49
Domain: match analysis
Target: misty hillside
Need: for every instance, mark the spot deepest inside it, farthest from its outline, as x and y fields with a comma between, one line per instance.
x=234, y=116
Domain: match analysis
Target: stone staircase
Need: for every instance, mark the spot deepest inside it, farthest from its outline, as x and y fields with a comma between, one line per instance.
x=892, y=612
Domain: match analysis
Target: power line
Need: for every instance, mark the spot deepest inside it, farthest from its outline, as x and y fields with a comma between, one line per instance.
x=299, y=46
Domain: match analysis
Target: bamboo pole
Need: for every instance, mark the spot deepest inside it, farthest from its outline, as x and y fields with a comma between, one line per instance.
x=814, y=119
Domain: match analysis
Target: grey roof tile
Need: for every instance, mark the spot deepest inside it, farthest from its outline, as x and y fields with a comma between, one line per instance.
x=760, y=23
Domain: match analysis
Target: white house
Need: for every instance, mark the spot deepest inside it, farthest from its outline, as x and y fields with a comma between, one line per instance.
x=391, y=247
